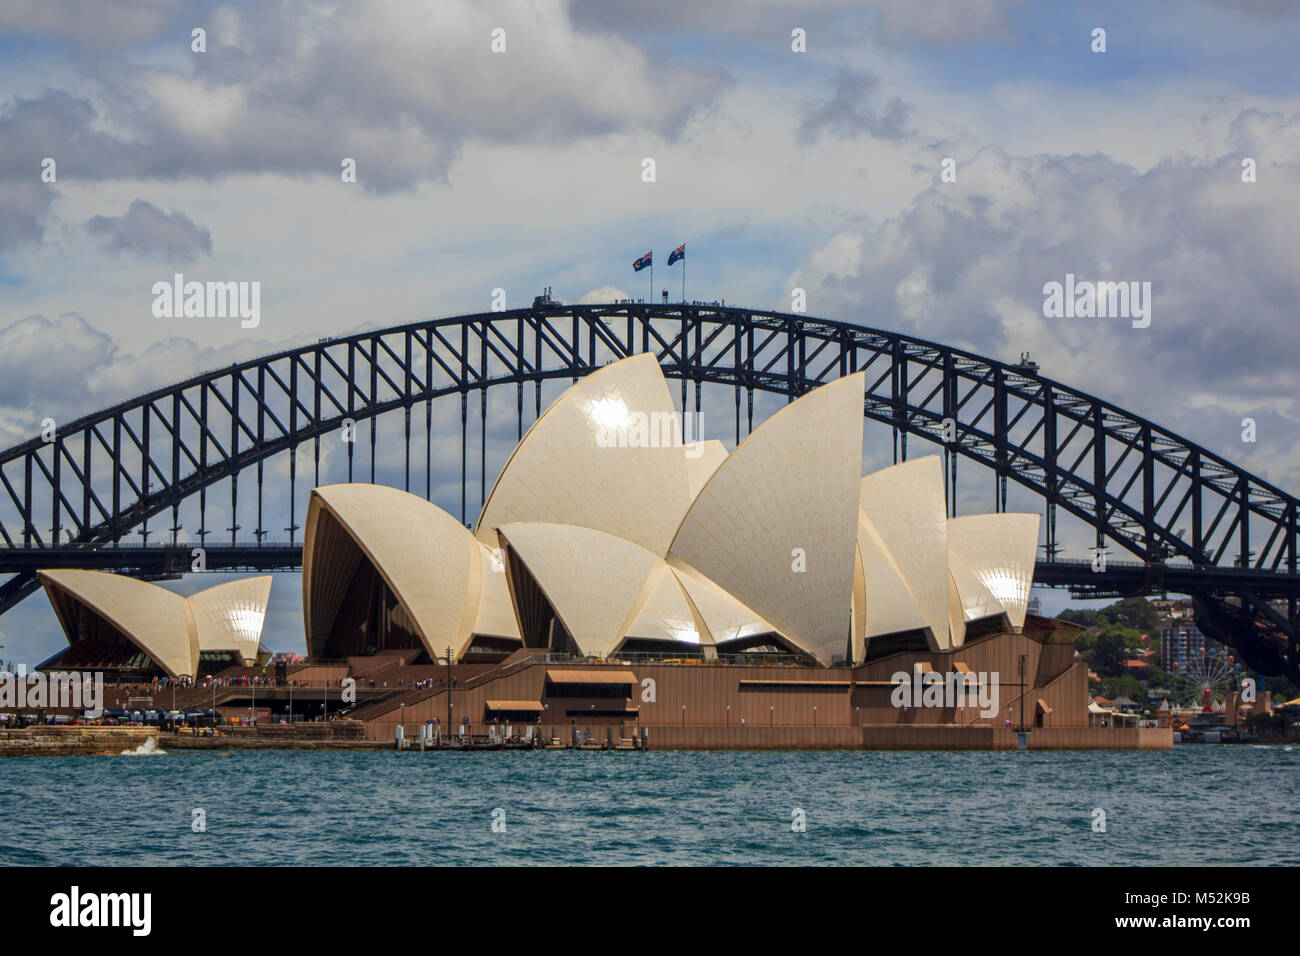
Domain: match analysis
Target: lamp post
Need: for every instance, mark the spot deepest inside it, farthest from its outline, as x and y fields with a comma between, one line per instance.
x=728, y=715
x=683, y=715
x=771, y=715
x=814, y=716
x=448, y=688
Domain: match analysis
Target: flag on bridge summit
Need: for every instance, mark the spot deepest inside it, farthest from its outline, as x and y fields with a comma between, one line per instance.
x=643, y=262
x=678, y=253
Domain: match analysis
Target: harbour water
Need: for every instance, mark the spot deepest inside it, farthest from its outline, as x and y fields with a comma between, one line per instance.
x=1210, y=805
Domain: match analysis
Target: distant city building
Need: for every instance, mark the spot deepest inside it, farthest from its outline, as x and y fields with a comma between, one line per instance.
x=1179, y=641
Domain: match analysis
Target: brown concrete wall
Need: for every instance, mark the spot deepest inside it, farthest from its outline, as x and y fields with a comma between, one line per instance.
x=713, y=695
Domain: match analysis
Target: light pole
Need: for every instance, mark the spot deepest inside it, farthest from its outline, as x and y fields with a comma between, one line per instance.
x=814, y=716
x=683, y=715
x=449, y=688
x=728, y=715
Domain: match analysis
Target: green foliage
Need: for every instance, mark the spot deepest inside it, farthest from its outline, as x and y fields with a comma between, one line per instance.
x=1083, y=616
x=1113, y=687
x=1110, y=653
x=1135, y=612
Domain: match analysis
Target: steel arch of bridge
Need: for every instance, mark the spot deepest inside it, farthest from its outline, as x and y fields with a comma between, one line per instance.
x=1228, y=537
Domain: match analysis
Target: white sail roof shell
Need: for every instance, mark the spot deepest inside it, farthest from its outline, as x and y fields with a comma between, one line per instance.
x=154, y=619
x=975, y=599
x=702, y=460
x=496, y=613
x=664, y=613
x=606, y=455
x=906, y=505
x=427, y=558
x=1000, y=549
x=231, y=616
x=724, y=617
x=592, y=579
x=786, y=495
x=889, y=603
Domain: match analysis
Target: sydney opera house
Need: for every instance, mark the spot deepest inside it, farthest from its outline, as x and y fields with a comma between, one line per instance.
x=618, y=576
x=134, y=630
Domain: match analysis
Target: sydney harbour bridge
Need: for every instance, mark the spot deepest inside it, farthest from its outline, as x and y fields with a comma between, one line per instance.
x=109, y=491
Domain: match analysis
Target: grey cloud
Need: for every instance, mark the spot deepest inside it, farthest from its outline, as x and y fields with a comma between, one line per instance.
x=60, y=126
x=293, y=88
x=850, y=111
x=36, y=352
x=98, y=24
x=22, y=211
x=145, y=229
x=906, y=22
x=966, y=263
x=830, y=24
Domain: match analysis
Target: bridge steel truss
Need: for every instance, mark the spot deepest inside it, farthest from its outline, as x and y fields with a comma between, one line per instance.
x=1228, y=537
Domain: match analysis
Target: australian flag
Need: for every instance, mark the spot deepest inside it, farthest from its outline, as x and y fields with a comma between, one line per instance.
x=643, y=262
x=678, y=253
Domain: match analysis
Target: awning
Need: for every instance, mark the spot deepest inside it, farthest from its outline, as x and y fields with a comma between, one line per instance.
x=532, y=706
x=813, y=684
x=584, y=676
x=1042, y=705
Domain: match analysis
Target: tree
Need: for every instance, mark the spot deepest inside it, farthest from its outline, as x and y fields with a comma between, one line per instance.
x=1110, y=653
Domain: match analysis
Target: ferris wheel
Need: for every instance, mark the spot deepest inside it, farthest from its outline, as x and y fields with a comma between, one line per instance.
x=1205, y=679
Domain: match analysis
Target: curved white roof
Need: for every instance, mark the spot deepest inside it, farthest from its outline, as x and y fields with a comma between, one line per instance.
x=1000, y=549
x=230, y=616
x=974, y=598
x=890, y=605
x=787, y=496
x=606, y=455
x=426, y=557
x=702, y=460
x=956, y=616
x=592, y=579
x=156, y=620
x=905, y=503
x=859, y=604
x=663, y=613
x=496, y=613
x=724, y=618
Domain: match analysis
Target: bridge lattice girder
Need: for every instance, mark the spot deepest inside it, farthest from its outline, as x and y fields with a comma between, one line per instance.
x=1147, y=490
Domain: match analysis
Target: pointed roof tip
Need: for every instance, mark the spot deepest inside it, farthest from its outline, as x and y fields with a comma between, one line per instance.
x=823, y=392
x=598, y=444
x=746, y=508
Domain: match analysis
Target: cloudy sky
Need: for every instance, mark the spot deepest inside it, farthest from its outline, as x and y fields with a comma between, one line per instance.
x=519, y=169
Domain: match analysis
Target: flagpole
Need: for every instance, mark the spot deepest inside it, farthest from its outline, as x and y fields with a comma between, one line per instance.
x=683, y=278
x=652, y=278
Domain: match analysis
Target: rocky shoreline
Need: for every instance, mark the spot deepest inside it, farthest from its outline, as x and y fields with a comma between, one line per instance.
x=64, y=741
